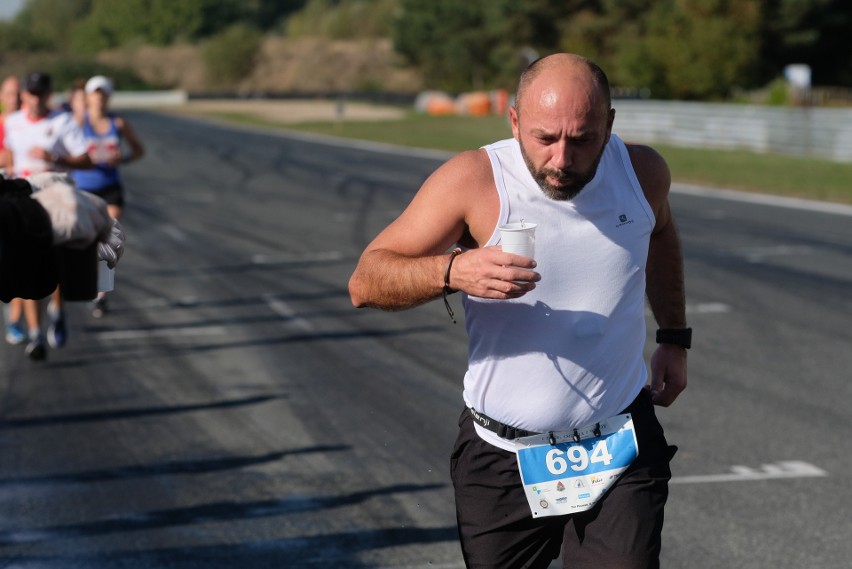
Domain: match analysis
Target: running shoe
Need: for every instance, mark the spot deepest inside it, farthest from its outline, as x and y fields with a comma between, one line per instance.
x=57, y=331
x=15, y=334
x=99, y=307
x=36, y=349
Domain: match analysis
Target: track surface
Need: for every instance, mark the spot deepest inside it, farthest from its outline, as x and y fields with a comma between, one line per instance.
x=233, y=410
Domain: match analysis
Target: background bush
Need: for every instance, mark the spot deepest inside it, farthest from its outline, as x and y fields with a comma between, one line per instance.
x=684, y=49
x=231, y=54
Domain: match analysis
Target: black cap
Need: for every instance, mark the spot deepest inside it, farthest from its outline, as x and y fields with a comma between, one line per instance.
x=38, y=83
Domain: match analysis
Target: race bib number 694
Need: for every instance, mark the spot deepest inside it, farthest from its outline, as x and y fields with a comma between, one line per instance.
x=571, y=475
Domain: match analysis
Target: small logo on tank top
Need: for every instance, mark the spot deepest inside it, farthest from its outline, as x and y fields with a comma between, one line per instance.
x=623, y=220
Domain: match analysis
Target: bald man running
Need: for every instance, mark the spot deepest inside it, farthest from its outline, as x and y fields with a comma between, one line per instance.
x=559, y=447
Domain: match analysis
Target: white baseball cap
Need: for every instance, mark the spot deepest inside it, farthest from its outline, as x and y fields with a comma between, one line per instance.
x=99, y=82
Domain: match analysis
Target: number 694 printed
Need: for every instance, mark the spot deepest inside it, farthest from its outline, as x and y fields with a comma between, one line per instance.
x=546, y=462
x=577, y=457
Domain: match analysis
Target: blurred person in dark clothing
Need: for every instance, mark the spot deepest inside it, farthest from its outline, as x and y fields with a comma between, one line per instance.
x=40, y=214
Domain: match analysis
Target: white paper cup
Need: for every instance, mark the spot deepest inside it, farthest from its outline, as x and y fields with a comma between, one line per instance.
x=106, y=277
x=518, y=238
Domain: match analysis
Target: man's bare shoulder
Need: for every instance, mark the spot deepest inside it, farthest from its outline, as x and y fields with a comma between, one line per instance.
x=463, y=179
x=470, y=166
x=465, y=190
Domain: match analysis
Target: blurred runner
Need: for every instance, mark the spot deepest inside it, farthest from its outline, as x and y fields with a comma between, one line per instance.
x=76, y=102
x=40, y=213
x=105, y=133
x=43, y=140
x=10, y=101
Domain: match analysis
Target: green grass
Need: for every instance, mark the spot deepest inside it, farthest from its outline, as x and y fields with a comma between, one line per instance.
x=416, y=129
x=765, y=173
x=739, y=170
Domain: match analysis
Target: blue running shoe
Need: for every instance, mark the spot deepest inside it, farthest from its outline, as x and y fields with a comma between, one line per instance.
x=36, y=349
x=15, y=334
x=57, y=331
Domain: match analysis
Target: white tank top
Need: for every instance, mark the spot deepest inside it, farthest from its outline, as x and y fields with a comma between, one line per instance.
x=570, y=352
x=57, y=133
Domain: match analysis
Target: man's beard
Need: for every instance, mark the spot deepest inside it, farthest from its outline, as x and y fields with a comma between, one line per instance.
x=572, y=181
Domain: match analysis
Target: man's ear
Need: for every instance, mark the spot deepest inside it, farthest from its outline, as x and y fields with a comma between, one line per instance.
x=515, y=122
x=609, y=122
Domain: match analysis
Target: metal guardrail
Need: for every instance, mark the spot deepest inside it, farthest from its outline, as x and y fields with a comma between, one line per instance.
x=140, y=99
x=801, y=131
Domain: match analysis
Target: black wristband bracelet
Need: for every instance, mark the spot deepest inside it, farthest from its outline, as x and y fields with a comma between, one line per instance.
x=678, y=336
x=453, y=254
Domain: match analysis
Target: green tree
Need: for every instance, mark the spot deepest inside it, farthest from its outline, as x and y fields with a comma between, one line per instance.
x=111, y=24
x=703, y=48
x=477, y=43
x=232, y=54
x=268, y=14
x=525, y=28
x=49, y=23
x=445, y=39
x=816, y=32
x=610, y=32
x=691, y=49
x=343, y=19
x=16, y=38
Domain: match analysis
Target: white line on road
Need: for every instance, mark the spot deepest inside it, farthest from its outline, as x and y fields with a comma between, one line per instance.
x=765, y=199
x=702, y=308
x=708, y=308
x=759, y=254
x=283, y=309
x=174, y=233
x=784, y=469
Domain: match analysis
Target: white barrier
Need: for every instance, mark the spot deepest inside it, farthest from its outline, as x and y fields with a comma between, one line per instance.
x=816, y=132
x=147, y=99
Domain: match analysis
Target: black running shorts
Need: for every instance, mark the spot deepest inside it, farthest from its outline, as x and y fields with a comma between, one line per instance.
x=112, y=194
x=623, y=530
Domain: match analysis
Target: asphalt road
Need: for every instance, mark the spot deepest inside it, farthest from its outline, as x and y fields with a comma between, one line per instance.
x=233, y=410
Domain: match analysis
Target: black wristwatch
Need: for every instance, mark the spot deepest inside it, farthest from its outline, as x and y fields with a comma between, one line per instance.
x=678, y=336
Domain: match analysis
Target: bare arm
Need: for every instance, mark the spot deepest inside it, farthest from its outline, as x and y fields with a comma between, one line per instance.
x=664, y=273
x=81, y=162
x=390, y=281
x=405, y=265
x=137, y=150
x=664, y=276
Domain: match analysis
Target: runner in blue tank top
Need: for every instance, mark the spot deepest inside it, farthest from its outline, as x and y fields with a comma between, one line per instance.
x=106, y=133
